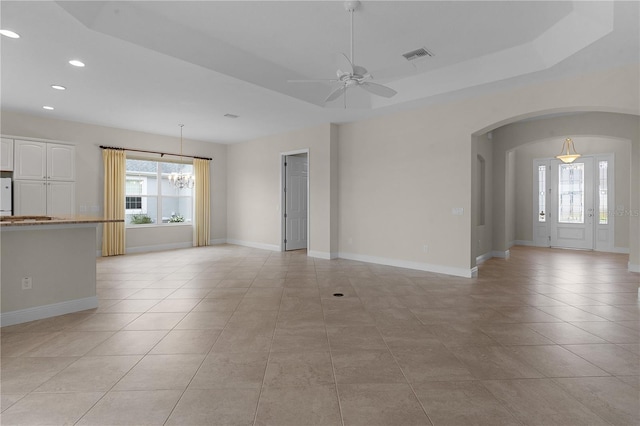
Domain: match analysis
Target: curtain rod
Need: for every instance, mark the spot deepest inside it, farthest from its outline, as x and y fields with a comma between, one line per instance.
x=162, y=154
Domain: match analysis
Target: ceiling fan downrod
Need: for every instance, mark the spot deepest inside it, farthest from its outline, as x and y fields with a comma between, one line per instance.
x=351, y=6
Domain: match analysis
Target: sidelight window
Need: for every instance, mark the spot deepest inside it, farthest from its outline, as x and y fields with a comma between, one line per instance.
x=542, y=198
x=603, y=205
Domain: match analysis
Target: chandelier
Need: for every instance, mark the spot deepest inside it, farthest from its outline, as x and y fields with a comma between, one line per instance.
x=568, y=153
x=180, y=179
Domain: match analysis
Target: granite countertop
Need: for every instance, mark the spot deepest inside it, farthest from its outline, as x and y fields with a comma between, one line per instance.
x=52, y=220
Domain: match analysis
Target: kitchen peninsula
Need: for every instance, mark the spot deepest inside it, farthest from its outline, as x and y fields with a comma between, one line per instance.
x=48, y=266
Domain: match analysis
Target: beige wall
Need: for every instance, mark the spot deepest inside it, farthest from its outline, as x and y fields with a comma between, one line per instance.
x=254, y=189
x=89, y=169
x=400, y=176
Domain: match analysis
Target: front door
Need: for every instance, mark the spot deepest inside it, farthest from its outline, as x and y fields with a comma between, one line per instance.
x=573, y=204
x=296, y=175
x=565, y=204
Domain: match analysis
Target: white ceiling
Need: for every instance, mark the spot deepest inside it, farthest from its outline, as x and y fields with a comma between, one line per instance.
x=154, y=64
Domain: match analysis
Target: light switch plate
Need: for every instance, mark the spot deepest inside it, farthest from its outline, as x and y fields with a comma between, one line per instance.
x=457, y=211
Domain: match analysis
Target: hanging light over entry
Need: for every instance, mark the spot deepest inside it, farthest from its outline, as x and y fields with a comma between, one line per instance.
x=181, y=180
x=568, y=153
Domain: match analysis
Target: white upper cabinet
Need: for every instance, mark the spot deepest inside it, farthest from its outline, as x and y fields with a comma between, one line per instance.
x=44, y=161
x=30, y=160
x=6, y=154
x=61, y=162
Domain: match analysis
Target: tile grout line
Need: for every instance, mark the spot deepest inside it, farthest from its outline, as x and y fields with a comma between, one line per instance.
x=266, y=366
x=395, y=359
x=333, y=367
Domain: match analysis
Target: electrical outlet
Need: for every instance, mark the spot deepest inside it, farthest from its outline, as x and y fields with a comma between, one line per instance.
x=425, y=248
x=26, y=283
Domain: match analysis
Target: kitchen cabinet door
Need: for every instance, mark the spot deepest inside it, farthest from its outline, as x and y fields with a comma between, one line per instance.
x=6, y=154
x=30, y=160
x=61, y=198
x=61, y=162
x=30, y=198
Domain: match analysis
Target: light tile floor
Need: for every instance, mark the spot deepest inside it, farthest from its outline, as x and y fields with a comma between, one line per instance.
x=238, y=336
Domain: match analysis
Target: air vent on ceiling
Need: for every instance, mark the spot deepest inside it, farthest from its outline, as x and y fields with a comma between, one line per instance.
x=231, y=116
x=416, y=54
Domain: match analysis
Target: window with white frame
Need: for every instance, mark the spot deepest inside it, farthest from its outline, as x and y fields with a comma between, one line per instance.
x=150, y=198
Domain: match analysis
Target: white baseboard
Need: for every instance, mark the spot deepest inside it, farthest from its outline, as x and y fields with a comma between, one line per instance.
x=494, y=253
x=634, y=268
x=165, y=247
x=501, y=254
x=263, y=246
x=47, y=311
x=158, y=247
x=322, y=254
x=484, y=257
x=621, y=250
x=439, y=269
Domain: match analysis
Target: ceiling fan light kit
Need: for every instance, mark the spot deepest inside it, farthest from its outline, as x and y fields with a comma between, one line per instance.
x=350, y=75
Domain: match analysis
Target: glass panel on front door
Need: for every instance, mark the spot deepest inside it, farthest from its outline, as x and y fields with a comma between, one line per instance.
x=571, y=193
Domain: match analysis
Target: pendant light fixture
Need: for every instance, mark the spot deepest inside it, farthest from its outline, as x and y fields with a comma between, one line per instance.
x=568, y=153
x=180, y=179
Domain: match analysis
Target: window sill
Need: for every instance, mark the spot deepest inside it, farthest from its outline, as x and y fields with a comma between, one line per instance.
x=157, y=225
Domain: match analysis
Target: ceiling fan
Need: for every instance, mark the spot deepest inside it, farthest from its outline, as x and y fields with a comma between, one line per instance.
x=351, y=75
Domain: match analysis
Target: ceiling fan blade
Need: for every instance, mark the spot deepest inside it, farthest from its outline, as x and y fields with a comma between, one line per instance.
x=336, y=93
x=318, y=80
x=378, y=89
x=344, y=64
x=357, y=69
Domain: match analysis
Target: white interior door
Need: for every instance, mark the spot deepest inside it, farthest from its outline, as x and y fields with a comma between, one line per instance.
x=296, y=175
x=572, y=205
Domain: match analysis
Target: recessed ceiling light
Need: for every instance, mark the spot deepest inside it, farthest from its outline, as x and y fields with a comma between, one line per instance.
x=9, y=33
x=47, y=107
x=76, y=63
x=58, y=87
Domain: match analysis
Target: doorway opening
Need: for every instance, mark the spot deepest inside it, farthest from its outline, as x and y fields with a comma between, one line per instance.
x=295, y=200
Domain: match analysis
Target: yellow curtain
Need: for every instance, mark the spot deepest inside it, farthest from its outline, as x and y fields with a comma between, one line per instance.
x=114, y=196
x=201, y=231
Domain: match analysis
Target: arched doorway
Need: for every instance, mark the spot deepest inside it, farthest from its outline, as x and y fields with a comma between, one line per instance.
x=508, y=200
